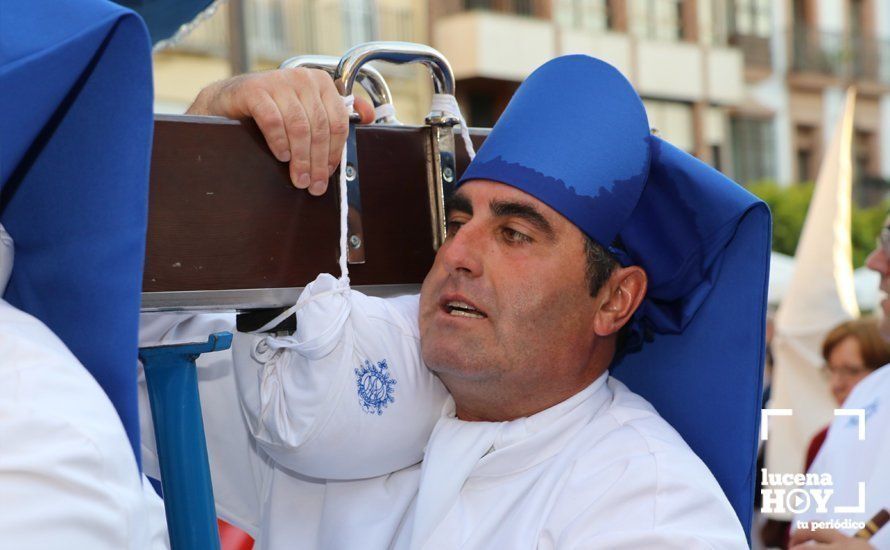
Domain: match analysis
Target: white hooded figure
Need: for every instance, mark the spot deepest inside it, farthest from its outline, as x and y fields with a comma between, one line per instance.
x=854, y=456
x=67, y=471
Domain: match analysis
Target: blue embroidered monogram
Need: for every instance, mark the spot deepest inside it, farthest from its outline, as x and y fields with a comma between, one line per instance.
x=375, y=386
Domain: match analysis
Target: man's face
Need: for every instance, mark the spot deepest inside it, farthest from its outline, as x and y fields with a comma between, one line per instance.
x=845, y=368
x=507, y=299
x=879, y=261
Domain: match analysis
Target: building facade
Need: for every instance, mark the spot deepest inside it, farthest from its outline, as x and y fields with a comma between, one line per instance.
x=275, y=30
x=751, y=86
x=817, y=48
x=676, y=53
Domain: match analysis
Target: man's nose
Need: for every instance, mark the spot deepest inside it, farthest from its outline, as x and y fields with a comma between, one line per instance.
x=878, y=261
x=462, y=251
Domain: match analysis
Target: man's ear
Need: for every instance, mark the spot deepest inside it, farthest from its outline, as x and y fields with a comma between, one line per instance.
x=621, y=296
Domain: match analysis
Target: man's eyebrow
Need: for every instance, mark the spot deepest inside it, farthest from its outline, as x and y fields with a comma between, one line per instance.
x=525, y=211
x=458, y=203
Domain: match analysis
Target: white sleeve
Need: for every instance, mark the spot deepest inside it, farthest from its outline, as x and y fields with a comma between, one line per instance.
x=347, y=396
x=239, y=471
x=851, y=461
x=68, y=477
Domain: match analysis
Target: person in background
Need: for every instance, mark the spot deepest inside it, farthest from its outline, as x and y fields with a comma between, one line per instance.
x=67, y=473
x=852, y=351
x=857, y=466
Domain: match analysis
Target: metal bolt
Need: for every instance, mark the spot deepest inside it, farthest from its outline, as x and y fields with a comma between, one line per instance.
x=355, y=241
x=350, y=172
x=448, y=174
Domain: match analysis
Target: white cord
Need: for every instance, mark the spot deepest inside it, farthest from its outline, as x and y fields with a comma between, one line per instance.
x=384, y=110
x=448, y=104
x=344, y=204
x=344, y=229
x=441, y=102
x=297, y=307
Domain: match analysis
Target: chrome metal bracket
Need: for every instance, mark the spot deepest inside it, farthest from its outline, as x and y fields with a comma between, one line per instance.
x=355, y=235
x=442, y=172
x=368, y=78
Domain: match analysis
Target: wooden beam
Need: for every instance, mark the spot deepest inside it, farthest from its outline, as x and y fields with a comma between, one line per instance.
x=227, y=229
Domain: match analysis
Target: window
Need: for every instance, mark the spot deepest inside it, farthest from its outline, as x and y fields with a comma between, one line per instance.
x=753, y=149
x=750, y=28
x=802, y=13
x=866, y=54
x=266, y=30
x=657, y=19
x=713, y=21
x=592, y=15
x=806, y=145
x=717, y=156
x=857, y=17
x=674, y=122
x=864, y=154
x=519, y=7
x=869, y=188
x=751, y=18
x=524, y=7
x=359, y=22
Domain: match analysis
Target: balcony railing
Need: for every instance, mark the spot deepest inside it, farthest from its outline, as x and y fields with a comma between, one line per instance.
x=838, y=55
x=870, y=59
x=583, y=15
x=755, y=49
x=516, y=7
x=277, y=29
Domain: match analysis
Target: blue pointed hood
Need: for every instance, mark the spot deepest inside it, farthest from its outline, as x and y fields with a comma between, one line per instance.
x=74, y=158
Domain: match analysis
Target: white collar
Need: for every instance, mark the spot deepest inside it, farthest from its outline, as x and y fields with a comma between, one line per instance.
x=526, y=441
x=455, y=447
x=517, y=430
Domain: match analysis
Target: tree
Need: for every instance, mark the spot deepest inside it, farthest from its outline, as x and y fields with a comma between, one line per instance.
x=789, y=207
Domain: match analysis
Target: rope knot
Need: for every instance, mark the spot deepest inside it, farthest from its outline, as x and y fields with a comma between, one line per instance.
x=447, y=103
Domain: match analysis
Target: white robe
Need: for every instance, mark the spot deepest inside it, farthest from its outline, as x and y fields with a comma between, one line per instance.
x=851, y=461
x=600, y=469
x=68, y=477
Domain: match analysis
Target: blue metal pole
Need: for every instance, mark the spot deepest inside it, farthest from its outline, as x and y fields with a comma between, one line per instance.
x=182, y=450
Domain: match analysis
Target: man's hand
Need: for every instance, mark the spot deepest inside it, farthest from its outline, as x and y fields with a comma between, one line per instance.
x=299, y=112
x=826, y=539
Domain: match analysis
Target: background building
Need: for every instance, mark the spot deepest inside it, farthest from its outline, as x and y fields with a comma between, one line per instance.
x=816, y=50
x=275, y=30
x=674, y=52
x=750, y=86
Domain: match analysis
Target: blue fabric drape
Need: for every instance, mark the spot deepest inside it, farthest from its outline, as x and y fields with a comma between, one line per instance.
x=703, y=367
x=74, y=157
x=164, y=17
x=575, y=136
